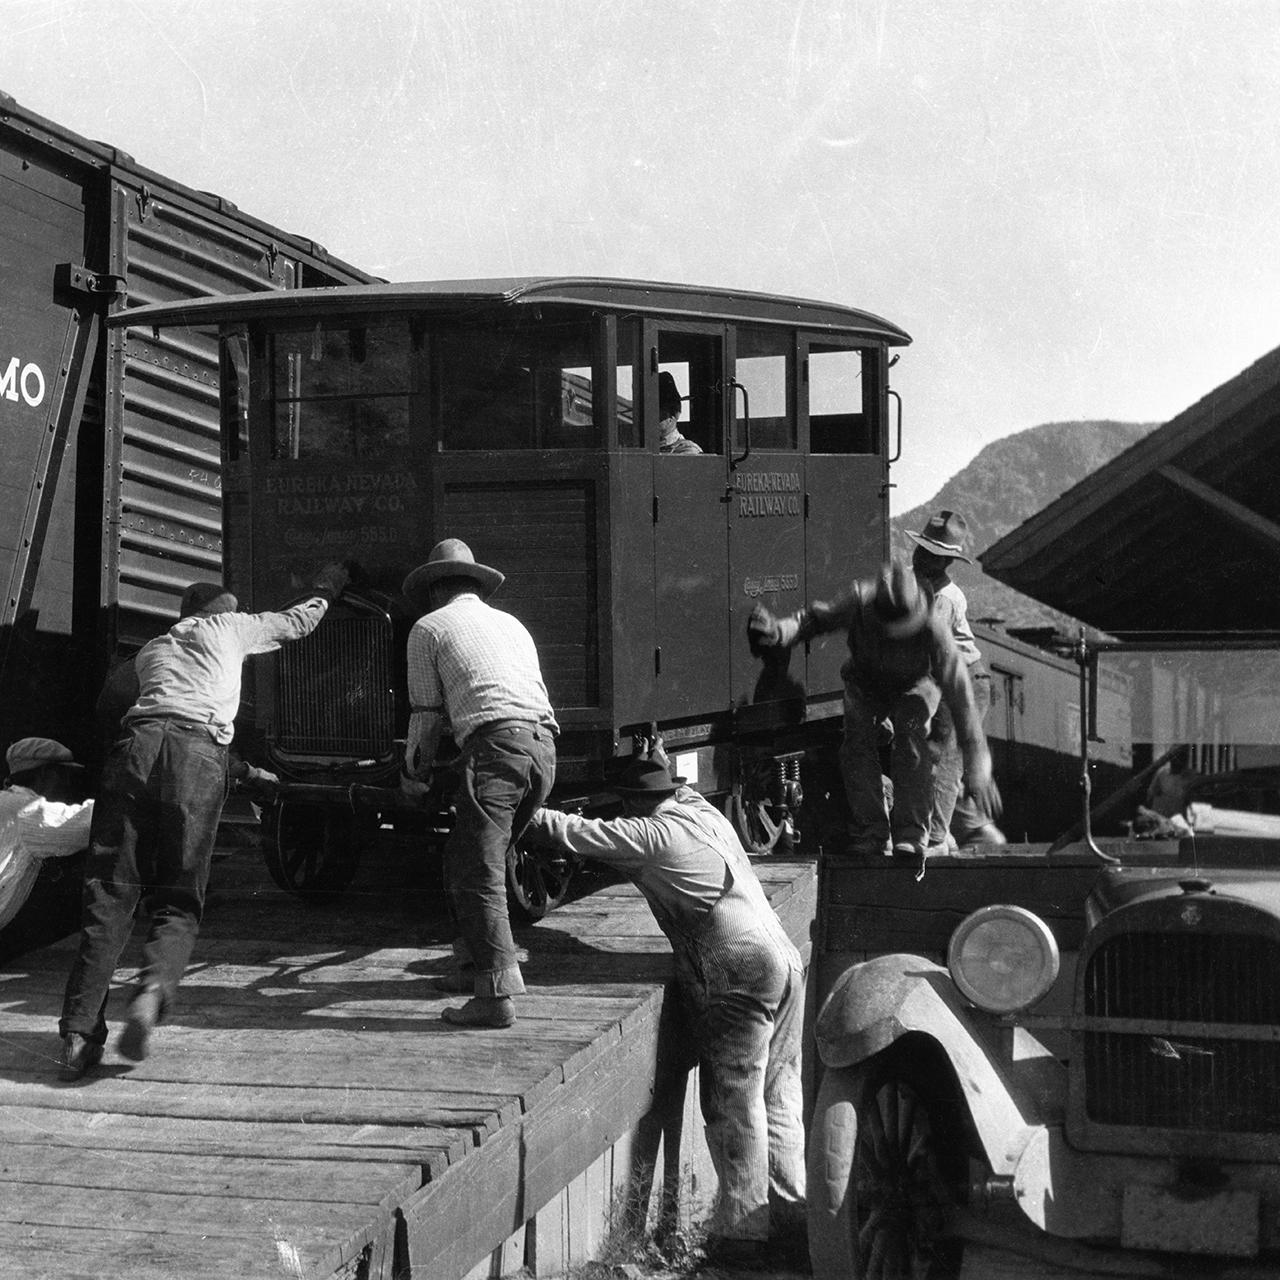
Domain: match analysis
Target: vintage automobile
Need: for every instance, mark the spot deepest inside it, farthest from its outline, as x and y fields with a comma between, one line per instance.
x=1070, y=1056
x=366, y=423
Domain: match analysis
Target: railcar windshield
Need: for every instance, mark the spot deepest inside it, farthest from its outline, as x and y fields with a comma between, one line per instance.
x=342, y=392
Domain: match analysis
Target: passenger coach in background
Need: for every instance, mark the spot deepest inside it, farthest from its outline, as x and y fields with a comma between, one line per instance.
x=522, y=416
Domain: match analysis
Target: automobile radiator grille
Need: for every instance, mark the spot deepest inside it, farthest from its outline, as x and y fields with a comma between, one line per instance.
x=334, y=690
x=1193, y=1081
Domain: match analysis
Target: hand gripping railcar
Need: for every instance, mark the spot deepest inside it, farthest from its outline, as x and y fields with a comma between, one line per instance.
x=368, y=422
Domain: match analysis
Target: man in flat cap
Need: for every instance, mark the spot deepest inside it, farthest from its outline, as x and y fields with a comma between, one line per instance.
x=741, y=980
x=902, y=663
x=958, y=816
x=42, y=816
x=474, y=671
x=165, y=779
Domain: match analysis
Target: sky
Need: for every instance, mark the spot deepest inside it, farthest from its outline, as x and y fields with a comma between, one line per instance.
x=1073, y=206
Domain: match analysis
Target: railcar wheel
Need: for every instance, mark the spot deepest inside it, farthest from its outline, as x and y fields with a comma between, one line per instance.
x=537, y=881
x=883, y=1179
x=311, y=849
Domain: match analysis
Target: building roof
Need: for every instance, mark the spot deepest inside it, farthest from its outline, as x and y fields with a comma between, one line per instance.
x=1181, y=532
x=633, y=296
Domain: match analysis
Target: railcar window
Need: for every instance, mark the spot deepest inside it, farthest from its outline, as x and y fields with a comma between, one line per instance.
x=761, y=367
x=517, y=387
x=696, y=362
x=341, y=392
x=841, y=409
x=630, y=423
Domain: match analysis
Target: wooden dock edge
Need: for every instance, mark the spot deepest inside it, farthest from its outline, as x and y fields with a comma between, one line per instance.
x=631, y=1150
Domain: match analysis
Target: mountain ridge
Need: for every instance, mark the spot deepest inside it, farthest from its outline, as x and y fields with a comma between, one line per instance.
x=1007, y=482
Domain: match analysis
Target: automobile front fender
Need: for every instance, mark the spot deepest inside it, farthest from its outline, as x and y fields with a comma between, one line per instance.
x=876, y=1003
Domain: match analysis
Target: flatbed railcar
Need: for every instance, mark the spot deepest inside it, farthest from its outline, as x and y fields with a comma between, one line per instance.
x=366, y=423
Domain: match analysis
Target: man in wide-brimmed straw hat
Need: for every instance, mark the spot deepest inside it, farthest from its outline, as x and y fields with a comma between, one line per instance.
x=156, y=819
x=742, y=982
x=474, y=671
x=958, y=817
x=902, y=663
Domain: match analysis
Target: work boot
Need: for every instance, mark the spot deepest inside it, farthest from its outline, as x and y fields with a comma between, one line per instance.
x=144, y=1013
x=482, y=1011
x=78, y=1055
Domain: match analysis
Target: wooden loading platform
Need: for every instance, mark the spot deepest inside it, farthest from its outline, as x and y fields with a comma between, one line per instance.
x=306, y=1113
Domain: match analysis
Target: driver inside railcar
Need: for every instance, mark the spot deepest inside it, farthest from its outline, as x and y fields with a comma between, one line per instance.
x=670, y=404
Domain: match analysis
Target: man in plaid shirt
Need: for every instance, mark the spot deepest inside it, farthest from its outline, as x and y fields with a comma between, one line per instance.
x=474, y=671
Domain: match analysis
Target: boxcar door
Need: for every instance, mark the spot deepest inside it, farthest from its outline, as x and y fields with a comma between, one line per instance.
x=690, y=551
x=842, y=412
x=766, y=516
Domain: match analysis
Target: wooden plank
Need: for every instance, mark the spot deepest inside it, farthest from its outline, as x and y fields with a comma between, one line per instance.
x=50, y=1128
x=352, y=1182
x=319, y=1235
x=453, y=1223
x=258, y=1104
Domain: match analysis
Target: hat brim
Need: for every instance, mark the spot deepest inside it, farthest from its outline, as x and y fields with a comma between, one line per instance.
x=676, y=784
x=488, y=580
x=34, y=766
x=938, y=548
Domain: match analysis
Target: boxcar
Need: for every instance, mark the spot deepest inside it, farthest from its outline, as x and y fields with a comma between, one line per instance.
x=111, y=493
x=367, y=422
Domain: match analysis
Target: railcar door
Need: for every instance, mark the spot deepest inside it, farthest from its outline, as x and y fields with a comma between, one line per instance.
x=690, y=551
x=765, y=486
x=842, y=401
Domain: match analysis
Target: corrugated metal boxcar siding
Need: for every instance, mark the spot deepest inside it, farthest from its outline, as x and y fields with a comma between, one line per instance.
x=163, y=503
x=543, y=537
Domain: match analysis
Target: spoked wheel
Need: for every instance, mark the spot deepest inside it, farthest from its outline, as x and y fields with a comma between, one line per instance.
x=311, y=849
x=537, y=881
x=885, y=1172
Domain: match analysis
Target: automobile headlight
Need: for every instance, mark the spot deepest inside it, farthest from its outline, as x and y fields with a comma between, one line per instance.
x=1003, y=958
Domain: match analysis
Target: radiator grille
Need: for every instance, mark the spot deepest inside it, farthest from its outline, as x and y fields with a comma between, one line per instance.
x=334, y=693
x=1202, y=1082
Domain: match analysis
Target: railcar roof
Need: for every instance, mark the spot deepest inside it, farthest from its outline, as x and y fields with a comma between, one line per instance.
x=632, y=296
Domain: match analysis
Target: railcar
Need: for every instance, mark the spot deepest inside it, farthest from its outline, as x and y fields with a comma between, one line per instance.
x=367, y=422
x=1033, y=730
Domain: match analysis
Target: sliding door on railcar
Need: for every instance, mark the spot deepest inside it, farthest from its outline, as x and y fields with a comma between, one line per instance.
x=842, y=402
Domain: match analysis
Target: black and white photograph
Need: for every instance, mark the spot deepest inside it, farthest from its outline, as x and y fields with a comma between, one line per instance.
x=638, y=641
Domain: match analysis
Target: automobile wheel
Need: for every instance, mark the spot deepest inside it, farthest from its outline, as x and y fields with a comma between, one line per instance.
x=885, y=1172
x=311, y=849
x=537, y=881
